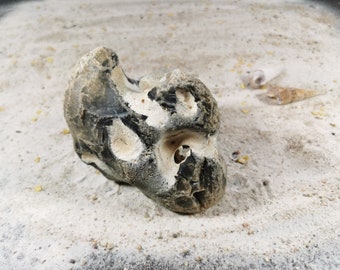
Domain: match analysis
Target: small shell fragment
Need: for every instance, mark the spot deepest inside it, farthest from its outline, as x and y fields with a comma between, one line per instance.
x=65, y=131
x=245, y=111
x=285, y=95
x=235, y=156
x=319, y=114
x=243, y=160
x=38, y=188
x=260, y=77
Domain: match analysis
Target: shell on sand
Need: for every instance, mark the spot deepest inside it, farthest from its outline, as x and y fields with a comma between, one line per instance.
x=285, y=95
x=260, y=77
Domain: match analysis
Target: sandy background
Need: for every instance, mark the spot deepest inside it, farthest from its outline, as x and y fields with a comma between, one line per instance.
x=281, y=209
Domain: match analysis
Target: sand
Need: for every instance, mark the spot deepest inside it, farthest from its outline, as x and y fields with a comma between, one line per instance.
x=281, y=209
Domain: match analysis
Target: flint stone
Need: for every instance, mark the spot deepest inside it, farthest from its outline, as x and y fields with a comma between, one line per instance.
x=158, y=133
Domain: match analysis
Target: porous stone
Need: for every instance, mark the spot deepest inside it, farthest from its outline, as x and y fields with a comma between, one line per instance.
x=158, y=133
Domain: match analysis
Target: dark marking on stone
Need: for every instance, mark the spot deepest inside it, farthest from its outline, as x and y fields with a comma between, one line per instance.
x=152, y=93
x=187, y=168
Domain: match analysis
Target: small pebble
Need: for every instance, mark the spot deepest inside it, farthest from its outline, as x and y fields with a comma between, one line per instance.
x=38, y=188
x=66, y=131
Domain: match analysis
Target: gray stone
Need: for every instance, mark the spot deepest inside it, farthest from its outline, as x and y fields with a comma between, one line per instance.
x=158, y=133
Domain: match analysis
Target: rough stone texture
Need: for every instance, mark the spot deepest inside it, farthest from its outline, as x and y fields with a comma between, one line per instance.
x=157, y=133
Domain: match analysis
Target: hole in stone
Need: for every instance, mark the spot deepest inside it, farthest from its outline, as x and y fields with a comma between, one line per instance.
x=200, y=196
x=124, y=142
x=182, y=153
x=169, y=161
x=186, y=104
x=184, y=202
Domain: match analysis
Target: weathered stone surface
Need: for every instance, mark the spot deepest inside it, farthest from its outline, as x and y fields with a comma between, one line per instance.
x=157, y=133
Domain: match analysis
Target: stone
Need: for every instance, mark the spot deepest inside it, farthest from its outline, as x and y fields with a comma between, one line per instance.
x=158, y=133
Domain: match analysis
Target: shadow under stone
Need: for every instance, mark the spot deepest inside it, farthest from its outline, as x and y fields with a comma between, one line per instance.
x=333, y=4
x=8, y=5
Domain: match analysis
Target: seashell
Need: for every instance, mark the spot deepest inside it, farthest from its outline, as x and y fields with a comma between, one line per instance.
x=285, y=95
x=260, y=77
x=158, y=133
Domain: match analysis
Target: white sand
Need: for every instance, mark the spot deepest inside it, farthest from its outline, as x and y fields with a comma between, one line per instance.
x=80, y=220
